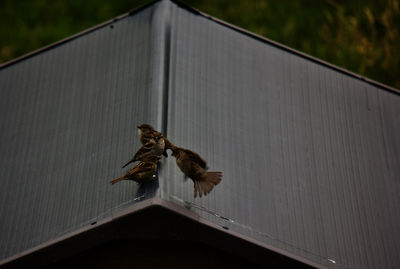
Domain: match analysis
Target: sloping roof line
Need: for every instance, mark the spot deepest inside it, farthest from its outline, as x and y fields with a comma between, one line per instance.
x=72, y=37
x=53, y=247
x=236, y=28
x=288, y=49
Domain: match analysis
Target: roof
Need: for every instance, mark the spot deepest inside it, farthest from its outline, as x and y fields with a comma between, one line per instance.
x=309, y=151
x=158, y=222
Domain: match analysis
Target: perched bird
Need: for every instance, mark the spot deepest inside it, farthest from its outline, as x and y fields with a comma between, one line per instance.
x=155, y=146
x=195, y=167
x=148, y=134
x=142, y=172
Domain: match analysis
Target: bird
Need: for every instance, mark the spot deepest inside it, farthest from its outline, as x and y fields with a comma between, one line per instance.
x=195, y=167
x=148, y=134
x=155, y=146
x=143, y=172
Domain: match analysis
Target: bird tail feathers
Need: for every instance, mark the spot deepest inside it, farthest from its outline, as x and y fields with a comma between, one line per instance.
x=204, y=186
x=125, y=165
x=117, y=180
x=214, y=177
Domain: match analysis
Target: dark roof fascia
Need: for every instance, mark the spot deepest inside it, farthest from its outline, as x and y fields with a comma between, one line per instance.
x=131, y=223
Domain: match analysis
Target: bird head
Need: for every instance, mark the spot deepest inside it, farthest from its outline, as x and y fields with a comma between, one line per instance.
x=158, y=137
x=145, y=127
x=175, y=151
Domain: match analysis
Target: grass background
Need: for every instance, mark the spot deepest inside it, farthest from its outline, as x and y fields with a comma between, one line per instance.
x=361, y=36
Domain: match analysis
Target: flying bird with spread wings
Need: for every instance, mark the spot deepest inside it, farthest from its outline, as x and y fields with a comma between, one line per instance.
x=195, y=167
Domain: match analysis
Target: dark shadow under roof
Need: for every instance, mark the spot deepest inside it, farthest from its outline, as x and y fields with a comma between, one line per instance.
x=145, y=224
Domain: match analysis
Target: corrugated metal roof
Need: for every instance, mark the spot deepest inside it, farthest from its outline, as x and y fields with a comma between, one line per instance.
x=309, y=152
x=68, y=119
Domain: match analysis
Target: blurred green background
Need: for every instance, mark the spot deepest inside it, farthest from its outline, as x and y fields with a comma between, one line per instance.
x=361, y=36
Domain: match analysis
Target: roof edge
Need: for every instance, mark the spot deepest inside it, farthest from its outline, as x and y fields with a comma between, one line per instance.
x=191, y=215
x=119, y=214
x=79, y=34
x=288, y=49
x=141, y=206
x=216, y=20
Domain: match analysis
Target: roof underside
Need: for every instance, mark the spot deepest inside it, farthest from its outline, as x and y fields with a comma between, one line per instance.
x=310, y=154
x=160, y=226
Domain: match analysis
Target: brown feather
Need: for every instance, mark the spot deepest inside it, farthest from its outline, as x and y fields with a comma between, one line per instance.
x=143, y=171
x=154, y=147
x=194, y=157
x=193, y=166
x=148, y=134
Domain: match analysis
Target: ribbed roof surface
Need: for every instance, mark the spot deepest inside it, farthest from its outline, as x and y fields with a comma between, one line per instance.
x=68, y=119
x=310, y=153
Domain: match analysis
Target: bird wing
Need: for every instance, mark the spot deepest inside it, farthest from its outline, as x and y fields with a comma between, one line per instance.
x=143, y=151
x=194, y=157
x=142, y=167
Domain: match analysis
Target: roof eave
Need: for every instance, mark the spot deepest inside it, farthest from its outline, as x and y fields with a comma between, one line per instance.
x=119, y=226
